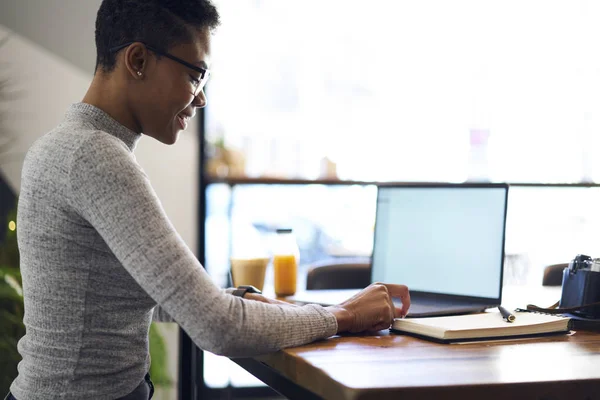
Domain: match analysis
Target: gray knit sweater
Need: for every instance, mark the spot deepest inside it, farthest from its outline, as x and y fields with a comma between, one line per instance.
x=98, y=254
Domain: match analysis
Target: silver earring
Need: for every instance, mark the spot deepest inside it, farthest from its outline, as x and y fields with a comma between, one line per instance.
x=139, y=73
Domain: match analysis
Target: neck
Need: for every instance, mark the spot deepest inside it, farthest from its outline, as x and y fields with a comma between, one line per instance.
x=109, y=96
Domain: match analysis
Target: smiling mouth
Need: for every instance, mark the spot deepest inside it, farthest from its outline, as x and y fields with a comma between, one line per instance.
x=183, y=121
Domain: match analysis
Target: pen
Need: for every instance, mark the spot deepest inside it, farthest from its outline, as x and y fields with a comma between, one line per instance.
x=506, y=314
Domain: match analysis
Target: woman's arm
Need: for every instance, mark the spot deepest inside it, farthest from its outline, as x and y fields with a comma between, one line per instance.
x=110, y=190
x=160, y=315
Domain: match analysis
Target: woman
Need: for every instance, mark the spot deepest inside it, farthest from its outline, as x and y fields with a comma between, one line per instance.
x=98, y=253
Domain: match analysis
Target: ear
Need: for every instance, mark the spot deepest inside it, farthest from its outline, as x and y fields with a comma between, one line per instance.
x=136, y=59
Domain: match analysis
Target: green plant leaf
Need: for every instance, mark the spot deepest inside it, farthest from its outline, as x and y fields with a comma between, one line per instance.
x=12, y=271
x=158, y=358
x=9, y=293
x=8, y=367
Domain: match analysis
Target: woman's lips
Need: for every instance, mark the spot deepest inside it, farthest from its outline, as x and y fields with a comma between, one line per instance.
x=183, y=121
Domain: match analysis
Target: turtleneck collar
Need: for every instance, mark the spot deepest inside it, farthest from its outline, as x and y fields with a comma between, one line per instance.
x=104, y=122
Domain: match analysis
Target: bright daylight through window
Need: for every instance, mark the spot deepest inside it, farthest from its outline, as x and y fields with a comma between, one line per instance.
x=399, y=90
x=404, y=90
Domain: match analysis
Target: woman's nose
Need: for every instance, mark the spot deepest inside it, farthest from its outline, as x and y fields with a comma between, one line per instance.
x=200, y=100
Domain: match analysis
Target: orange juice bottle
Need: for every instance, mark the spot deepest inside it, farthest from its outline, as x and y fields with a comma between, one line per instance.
x=285, y=263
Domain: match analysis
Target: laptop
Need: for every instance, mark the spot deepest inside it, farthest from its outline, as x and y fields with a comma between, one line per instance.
x=444, y=241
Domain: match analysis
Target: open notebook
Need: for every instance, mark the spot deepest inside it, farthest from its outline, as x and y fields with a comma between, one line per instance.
x=483, y=326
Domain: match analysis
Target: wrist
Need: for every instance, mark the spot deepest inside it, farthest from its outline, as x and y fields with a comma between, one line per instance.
x=343, y=317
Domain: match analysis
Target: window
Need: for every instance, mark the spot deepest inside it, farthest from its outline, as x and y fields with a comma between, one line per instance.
x=409, y=91
x=403, y=90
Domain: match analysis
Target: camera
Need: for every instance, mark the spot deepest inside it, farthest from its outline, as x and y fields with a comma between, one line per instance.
x=581, y=287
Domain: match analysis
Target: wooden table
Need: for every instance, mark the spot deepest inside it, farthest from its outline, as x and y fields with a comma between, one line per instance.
x=389, y=366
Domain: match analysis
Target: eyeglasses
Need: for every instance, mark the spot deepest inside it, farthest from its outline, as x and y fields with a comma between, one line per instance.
x=198, y=84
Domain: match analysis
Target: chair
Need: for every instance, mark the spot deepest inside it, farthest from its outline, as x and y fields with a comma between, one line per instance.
x=343, y=273
x=553, y=274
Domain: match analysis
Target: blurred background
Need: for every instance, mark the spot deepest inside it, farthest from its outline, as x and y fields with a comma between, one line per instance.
x=312, y=102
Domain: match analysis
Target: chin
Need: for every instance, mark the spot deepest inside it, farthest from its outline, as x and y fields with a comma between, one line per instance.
x=172, y=139
x=167, y=138
x=167, y=135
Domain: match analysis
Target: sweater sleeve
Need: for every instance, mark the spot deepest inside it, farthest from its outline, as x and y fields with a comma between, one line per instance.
x=160, y=315
x=109, y=189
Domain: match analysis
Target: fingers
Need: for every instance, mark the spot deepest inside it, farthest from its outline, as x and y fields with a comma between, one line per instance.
x=399, y=312
x=401, y=292
x=392, y=311
x=379, y=327
x=373, y=308
x=392, y=307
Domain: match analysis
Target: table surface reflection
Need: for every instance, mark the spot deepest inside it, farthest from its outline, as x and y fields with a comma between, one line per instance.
x=389, y=366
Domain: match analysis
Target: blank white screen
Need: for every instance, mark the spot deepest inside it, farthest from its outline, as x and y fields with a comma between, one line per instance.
x=441, y=239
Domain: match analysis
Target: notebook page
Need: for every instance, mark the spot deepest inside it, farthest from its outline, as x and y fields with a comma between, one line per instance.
x=488, y=320
x=482, y=325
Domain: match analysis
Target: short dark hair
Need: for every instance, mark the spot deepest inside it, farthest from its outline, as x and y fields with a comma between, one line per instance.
x=160, y=23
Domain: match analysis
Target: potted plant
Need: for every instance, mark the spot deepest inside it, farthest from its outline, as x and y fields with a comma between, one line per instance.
x=11, y=307
x=11, y=293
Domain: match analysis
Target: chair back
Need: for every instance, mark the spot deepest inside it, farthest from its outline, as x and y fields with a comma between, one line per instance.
x=354, y=273
x=553, y=274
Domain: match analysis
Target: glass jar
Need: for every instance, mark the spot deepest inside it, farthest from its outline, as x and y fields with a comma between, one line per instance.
x=286, y=256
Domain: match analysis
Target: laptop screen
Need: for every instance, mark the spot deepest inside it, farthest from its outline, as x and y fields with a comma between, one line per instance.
x=445, y=239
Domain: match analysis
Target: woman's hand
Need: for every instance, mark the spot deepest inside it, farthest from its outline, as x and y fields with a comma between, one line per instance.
x=261, y=298
x=372, y=308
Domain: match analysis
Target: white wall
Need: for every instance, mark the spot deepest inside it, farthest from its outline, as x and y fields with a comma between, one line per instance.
x=173, y=171
x=47, y=85
x=64, y=27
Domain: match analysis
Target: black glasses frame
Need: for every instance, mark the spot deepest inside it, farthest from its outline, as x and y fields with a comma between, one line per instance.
x=204, y=73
